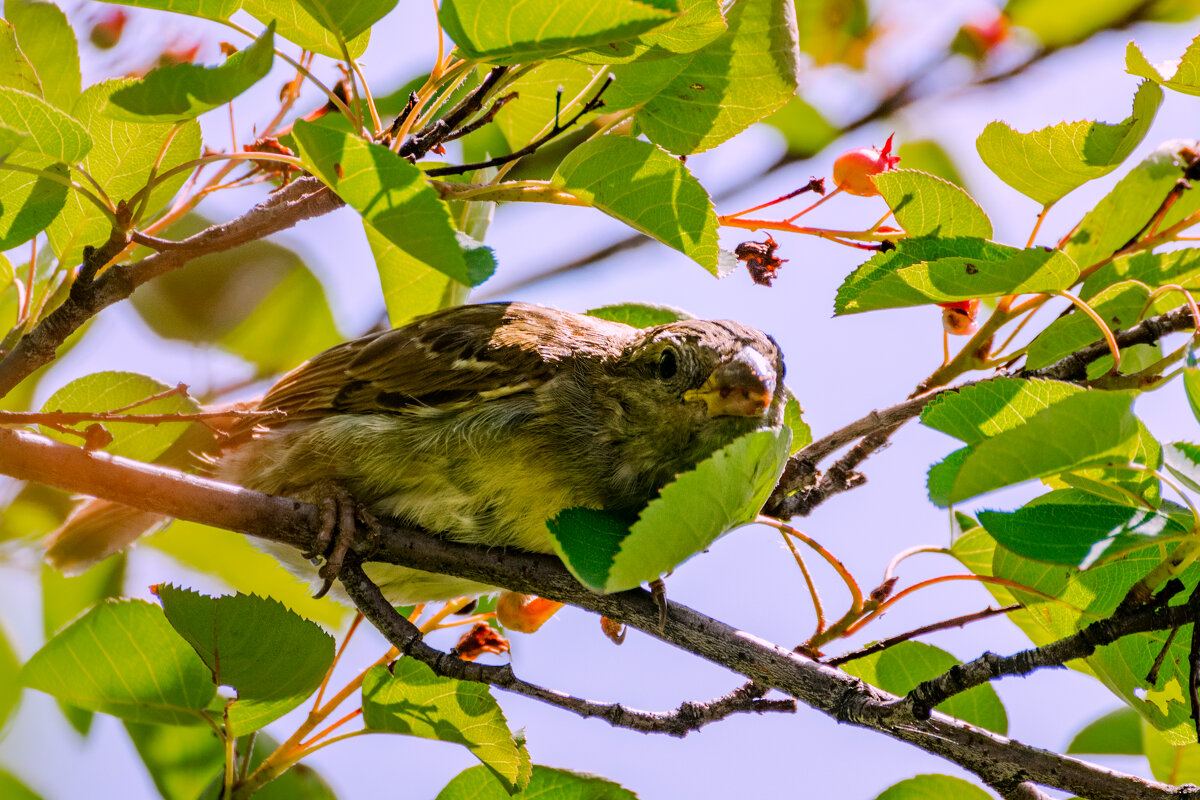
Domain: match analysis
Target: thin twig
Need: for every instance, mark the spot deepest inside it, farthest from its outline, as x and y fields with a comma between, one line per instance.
x=892, y=641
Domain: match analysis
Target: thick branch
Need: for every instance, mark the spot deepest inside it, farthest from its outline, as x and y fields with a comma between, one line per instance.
x=300, y=200
x=997, y=760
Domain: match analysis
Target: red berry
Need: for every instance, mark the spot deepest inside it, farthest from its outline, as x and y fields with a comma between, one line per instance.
x=958, y=318
x=107, y=32
x=855, y=170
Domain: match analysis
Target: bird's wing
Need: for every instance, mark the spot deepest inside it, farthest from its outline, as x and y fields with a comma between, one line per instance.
x=467, y=354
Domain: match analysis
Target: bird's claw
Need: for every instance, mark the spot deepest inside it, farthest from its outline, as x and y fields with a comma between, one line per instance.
x=658, y=590
x=340, y=515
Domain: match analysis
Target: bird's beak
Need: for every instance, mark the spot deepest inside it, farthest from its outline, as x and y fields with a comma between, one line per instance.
x=740, y=387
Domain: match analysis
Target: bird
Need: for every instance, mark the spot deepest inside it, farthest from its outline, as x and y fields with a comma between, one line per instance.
x=478, y=423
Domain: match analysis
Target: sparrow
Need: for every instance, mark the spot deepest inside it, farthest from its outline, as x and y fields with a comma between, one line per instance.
x=479, y=423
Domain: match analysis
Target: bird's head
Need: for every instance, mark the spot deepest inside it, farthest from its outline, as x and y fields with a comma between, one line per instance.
x=681, y=391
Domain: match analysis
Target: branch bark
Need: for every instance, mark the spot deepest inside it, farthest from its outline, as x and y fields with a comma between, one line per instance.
x=997, y=760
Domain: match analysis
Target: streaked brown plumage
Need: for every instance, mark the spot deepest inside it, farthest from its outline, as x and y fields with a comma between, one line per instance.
x=481, y=422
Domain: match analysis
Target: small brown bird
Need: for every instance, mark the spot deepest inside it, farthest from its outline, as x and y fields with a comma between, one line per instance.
x=481, y=422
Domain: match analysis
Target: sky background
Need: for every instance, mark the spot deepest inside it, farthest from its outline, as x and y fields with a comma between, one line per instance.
x=839, y=368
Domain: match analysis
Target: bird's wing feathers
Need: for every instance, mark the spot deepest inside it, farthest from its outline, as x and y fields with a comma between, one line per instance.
x=466, y=354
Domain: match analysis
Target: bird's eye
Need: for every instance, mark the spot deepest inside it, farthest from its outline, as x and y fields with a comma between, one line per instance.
x=668, y=364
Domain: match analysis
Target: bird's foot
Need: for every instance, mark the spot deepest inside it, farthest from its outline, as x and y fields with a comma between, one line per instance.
x=340, y=515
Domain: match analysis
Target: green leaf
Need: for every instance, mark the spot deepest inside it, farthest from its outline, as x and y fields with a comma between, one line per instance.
x=1170, y=760
x=1191, y=385
x=184, y=91
x=928, y=206
x=121, y=160
x=10, y=687
x=15, y=70
x=236, y=300
x=272, y=657
x=933, y=787
x=1116, y=733
x=804, y=128
x=1065, y=532
x=1181, y=267
x=1183, y=461
x=181, y=759
x=639, y=315
x=1048, y=163
x=65, y=598
x=793, y=419
x=648, y=190
x=46, y=129
x=48, y=42
x=835, y=31
x=1119, y=307
x=413, y=701
x=509, y=32
x=899, y=669
x=1059, y=23
x=717, y=92
x=245, y=568
x=391, y=194
x=13, y=789
x=122, y=658
x=29, y=203
x=347, y=20
x=108, y=391
x=926, y=155
x=1080, y=430
x=208, y=9
x=1089, y=595
x=936, y=270
x=1133, y=202
x=294, y=23
x=723, y=492
x=1185, y=78
x=477, y=783
x=411, y=288
x=982, y=410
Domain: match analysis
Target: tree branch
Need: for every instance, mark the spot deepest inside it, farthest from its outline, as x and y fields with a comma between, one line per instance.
x=997, y=760
x=1153, y=616
x=300, y=200
x=795, y=494
x=406, y=638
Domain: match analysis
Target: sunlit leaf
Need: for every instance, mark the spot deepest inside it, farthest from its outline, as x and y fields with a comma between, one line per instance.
x=48, y=42
x=1186, y=75
x=647, y=189
x=1048, y=163
x=925, y=205
x=124, y=659
x=184, y=91
x=510, y=32
x=109, y=391
x=936, y=270
x=272, y=657
x=1079, y=430
x=413, y=701
x=723, y=492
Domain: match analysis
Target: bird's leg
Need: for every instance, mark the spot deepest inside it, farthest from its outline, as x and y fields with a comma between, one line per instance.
x=340, y=515
x=524, y=612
